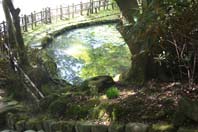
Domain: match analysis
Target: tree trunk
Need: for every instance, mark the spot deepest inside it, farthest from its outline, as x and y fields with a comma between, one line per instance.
x=128, y=8
x=15, y=30
x=140, y=60
x=10, y=36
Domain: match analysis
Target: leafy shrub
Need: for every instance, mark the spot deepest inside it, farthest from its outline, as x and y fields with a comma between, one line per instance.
x=112, y=92
x=58, y=107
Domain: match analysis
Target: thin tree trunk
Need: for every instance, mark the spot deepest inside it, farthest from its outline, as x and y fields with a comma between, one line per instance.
x=16, y=29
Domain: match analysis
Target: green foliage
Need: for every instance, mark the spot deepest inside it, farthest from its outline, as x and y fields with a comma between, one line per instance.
x=100, y=112
x=58, y=107
x=15, y=87
x=166, y=33
x=117, y=112
x=112, y=93
x=76, y=111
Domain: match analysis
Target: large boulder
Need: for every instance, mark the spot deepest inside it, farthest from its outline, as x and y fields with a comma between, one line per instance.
x=98, y=83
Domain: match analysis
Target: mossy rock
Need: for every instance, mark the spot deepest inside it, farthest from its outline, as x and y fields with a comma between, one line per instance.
x=11, y=120
x=58, y=107
x=98, y=83
x=161, y=127
x=47, y=125
x=17, y=119
x=68, y=126
x=187, y=109
x=99, y=128
x=63, y=126
x=55, y=88
x=50, y=88
x=2, y=119
x=46, y=40
x=136, y=127
x=83, y=126
x=33, y=124
x=39, y=76
x=20, y=125
x=29, y=131
x=117, y=112
x=44, y=103
x=115, y=127
x=55, y=127
x=188, y=130
x=76, y=111
x=99, y=112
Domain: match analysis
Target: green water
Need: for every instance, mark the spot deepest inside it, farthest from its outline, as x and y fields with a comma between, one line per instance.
x=88, y=52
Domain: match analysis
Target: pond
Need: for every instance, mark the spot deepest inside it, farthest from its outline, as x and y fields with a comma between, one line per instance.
x=88, y=52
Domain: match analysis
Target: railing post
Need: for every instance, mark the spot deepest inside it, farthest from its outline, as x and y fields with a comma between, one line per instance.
x=25, y=23
x=95, y=7
x=4, y=32
x=35, y=21
x=81, y=8
x=50, y=16
x=46, y=15
x=88, y=8
x=61, y=12
x=32, y=20
x=107, y=2
x=22, y=23
x=41, y=19
x=73, y=10
x=104, y=2
x=112, y=5
x=99, y=5
x=43, y=15
x=92, y=6
x=68, y=11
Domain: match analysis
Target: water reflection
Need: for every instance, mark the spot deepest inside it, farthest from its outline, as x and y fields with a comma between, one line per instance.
x=88, y=52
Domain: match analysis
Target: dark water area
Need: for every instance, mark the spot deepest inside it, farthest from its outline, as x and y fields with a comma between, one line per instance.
x=88, y=52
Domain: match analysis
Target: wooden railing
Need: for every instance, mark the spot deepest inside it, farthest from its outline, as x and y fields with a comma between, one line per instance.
x=49, y=15
x=7, y=53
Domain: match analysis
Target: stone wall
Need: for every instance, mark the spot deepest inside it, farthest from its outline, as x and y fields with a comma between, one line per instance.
x=25, y=124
